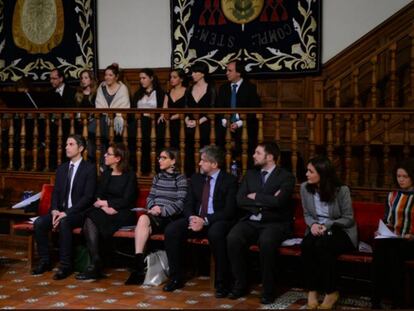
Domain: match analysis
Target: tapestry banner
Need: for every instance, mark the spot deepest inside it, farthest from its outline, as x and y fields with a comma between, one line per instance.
x=39, y=35
x=269, y=36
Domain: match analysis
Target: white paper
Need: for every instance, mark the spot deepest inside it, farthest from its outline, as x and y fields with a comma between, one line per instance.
x=384, y=232
x=291, y=242
x=32, y=219
x=139, y=209
x=364, y=247
x=126, y=228
x=27, y=202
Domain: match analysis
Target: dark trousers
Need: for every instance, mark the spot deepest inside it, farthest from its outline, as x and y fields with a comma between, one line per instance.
x=177, y=232
x=388, y=268
x=319, y=255
x=43, y=225
x=268, y=236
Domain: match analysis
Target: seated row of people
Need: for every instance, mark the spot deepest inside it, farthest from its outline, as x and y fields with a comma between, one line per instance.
x=211, y=205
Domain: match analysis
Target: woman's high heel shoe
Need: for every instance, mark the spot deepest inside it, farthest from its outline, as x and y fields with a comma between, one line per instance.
x=329, y=301
x=313, y=303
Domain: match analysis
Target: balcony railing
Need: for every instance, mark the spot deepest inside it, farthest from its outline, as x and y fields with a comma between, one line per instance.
x=364, y=144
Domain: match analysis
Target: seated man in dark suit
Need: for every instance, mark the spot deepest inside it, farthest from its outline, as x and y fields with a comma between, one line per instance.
x=237, y=93
x=266, y=195
x=65, y=92
x=210, y=211
x=73, y=192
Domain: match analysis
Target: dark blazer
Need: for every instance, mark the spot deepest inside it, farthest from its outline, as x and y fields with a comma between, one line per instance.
x=224, y=198
x=341, y=214
x=246, y=95
x=274, y=200
x=67, y=100
x=83, y=187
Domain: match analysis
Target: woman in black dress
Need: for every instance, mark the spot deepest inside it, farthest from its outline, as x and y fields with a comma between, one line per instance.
x=202, y=94
x=115, y=197
x=176, y=98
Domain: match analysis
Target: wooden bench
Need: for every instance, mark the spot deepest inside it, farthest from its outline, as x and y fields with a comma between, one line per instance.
x=366, y=214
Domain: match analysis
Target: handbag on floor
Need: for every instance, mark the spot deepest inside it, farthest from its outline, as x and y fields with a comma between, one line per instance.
x=157, y=268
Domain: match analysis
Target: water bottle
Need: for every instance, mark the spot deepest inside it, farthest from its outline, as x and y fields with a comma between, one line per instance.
x=234, y=169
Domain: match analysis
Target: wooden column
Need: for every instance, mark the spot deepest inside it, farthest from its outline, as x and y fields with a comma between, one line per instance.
x=311, y=137
x=60, y=146
x=138, y=143
x=22, y=142
x=294, y=143
x=212, y=119
x=182, y=143
x=228, y=143
x=98, y=141
x=386, y=151
x=197, y=142
x=167, y=130
x=125, y=129
x=393, y=77
x=329, y=136
x=84, y=119
x=35, y=153
x=356, y=101
x=348, y=149
x=367, y=148
x=47, y=142
x=245, y=145
x=153, y=154
x=406, y=137
x=11, y=141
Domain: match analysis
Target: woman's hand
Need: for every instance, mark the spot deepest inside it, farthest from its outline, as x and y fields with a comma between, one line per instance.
x=109, y=210
x=175, y=117
x=155, y=210
x=101, y=203
x=161, y=119
x=202, y=120
x=190, y=123
x=408, y=236
x=318, y=229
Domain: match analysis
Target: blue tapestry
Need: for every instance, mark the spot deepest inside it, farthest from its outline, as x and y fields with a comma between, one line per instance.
x=269, y=36
x=39, y=35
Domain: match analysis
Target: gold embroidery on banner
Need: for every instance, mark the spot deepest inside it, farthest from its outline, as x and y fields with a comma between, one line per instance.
x=242, y=11
x=38, y=25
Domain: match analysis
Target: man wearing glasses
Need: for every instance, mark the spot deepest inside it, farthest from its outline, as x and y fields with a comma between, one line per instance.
x=209, y=211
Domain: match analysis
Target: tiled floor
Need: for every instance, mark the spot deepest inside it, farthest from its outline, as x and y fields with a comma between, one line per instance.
x=20, y=290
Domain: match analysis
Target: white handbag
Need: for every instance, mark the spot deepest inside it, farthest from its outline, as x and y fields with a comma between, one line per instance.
x=157, y=268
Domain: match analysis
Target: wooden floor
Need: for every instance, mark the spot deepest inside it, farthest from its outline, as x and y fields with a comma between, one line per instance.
x=20, y=290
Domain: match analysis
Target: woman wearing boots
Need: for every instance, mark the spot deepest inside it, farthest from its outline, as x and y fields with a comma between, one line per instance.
x=164, y=203
x=115, y=197
x=331, y=230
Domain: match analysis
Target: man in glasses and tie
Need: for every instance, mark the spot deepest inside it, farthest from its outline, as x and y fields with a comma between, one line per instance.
x=266, y=196
x=209, y=211
x=73, y=192
x=237, y=92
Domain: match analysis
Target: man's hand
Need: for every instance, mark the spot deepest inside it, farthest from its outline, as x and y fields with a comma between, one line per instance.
x=109, y=210
x=155, y=210
x=101, y=203
x=196, y=223
x=57, y=216
x=252, y=196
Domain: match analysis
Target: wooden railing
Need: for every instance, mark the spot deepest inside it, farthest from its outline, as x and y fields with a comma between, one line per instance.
x=377, y=70
x=35, y=140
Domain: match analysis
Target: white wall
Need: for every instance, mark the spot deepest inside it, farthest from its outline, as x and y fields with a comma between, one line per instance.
x=136, y=33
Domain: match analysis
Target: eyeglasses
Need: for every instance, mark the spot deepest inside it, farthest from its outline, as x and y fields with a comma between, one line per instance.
x=109, y=154
x=162, y=158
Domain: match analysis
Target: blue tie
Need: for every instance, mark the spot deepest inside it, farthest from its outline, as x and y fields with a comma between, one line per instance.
x=233, y=101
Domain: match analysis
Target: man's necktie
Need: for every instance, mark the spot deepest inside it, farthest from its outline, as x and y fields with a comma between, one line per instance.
x=204, y=198
x=68, y=185
x=233, y=101
x=263, y=173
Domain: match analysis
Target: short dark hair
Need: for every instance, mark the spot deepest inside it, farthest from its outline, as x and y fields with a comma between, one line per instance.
x=120, y=150
x=60, y=73
x=329, y=181
x=270, y=147
x=80, y=140
x=239, y=65
x=173, y=154
x=408, y=166
x=213, y=154
x=183, y=76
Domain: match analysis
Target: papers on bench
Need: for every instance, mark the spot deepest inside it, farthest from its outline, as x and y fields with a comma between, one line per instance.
x=385, y=233
x=127, y=228
x=291, y=242
x=28, y=201
x=32, y=219
x=139, y=209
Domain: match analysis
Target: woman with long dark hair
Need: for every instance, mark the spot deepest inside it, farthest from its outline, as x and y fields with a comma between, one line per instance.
x=176, y=98
x=149, y=96
x=389, y=254
x=164, y=203
x=331, y=230
x=115, y=197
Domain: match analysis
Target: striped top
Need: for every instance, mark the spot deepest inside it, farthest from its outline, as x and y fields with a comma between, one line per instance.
x=168, y=191
x=400, y=211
